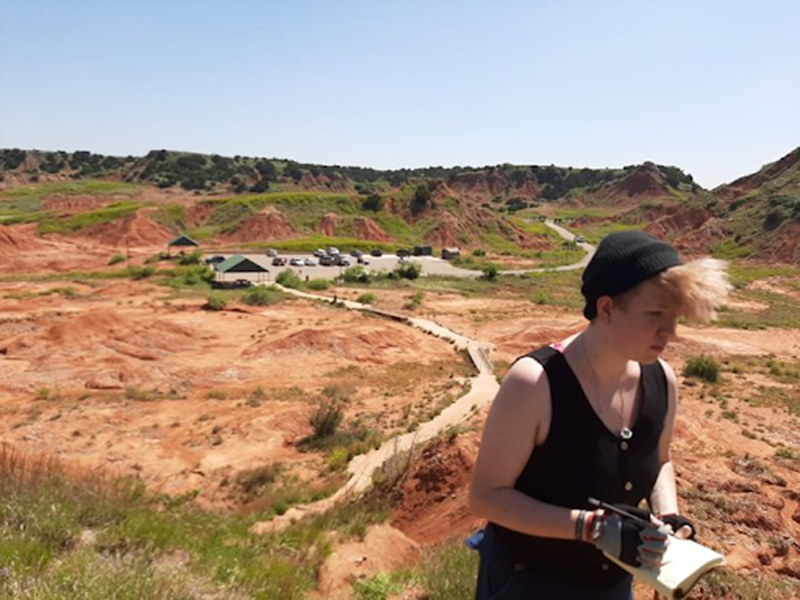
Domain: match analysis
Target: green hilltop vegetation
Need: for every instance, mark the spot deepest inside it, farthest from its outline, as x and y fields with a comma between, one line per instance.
x=409, y=205
x=241, y=174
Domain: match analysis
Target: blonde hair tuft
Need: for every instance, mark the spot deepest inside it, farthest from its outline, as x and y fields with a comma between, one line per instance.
x=701, y=287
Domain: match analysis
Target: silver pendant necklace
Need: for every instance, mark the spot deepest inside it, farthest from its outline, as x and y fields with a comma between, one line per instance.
x=625, y=432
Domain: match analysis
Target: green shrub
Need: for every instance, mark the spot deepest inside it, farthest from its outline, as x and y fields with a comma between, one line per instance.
x=479, y=252
x=215, y=302
x=338, y=458
x=489, y=273
x=326, y=419
x=116, y=259
x=193, y=258
x=252, y=481
x=367, y=298
x=787, y=453
x=136, y=272
x=43, y=393
x=262, y=295
x=406, y=271
x=703, y=367
x=288, y=278
x=373, y=202
x=188, y=276
x=419, y=202
x=318, y=284
x=355, y=274
x=415, y=301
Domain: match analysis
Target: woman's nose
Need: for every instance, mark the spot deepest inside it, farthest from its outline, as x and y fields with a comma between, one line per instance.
x=670, y=329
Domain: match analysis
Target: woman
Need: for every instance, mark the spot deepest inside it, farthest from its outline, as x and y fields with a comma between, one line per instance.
x=591, y=416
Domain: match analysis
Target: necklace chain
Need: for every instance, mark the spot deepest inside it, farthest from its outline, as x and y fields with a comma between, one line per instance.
x=624, y=432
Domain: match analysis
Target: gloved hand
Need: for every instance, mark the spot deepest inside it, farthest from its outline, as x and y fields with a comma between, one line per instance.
x=628, y=540
x=678, y=522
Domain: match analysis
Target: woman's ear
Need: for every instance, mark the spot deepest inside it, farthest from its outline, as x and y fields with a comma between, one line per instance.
x=604, y=306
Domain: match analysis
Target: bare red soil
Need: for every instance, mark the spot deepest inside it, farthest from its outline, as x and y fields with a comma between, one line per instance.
x=327, y=225
x=122, y=376
x=269, y=224
x=367, y=229
x=136, y=230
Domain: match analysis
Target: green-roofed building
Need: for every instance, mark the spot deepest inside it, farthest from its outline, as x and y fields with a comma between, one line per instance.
x=240, y=265
x=183, y=241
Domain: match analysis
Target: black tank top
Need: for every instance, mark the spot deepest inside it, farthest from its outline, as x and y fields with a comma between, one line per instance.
x=582, y=458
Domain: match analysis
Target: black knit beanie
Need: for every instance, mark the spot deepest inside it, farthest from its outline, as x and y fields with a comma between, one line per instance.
x=622, y=261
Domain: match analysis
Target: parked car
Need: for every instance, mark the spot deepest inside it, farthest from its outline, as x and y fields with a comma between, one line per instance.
x=296, y=262
x=271, y=252
x=342, y=261
x=405, y=260
x=580, y=239
x=401, y=252
x=319, y=253
x=332, y=251
x=214, y=260
x=362, y=260
x=356, y=253
x=376, y=252
x=278, y=262
x=326, y=261
x=311, y=262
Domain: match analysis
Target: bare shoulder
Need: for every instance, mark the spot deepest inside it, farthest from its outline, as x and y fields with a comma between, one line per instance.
x=523, y=402
x=672, y=380
x=526, y=371
x=523, y=385
x=518, y=420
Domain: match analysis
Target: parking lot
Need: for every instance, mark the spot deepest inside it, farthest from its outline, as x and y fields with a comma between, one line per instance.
x=430, y=266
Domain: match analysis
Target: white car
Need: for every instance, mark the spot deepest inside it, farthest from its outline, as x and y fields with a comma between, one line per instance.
x=311, y=262
x=296, y=262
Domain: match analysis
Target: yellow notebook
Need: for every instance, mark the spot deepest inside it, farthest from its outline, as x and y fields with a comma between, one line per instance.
x=685, y=562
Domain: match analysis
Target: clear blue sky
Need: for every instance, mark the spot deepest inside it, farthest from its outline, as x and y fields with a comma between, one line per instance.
x=710, y=86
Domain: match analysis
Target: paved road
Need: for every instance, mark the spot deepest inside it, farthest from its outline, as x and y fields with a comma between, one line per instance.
x=567, y=235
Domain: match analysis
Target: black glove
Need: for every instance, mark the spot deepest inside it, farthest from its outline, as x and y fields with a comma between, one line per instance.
x=629, y=540
x=678, y=521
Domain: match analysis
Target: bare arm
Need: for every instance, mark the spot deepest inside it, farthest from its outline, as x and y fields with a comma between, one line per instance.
x=664, y=497
x=519, y=414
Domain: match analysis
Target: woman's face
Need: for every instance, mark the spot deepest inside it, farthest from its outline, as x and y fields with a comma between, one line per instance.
x=645, y=320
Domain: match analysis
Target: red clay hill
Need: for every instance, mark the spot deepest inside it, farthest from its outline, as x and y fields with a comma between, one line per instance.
x=248, y=199
x=757, y=215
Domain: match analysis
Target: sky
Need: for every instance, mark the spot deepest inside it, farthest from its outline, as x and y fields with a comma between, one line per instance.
x=710, y=86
